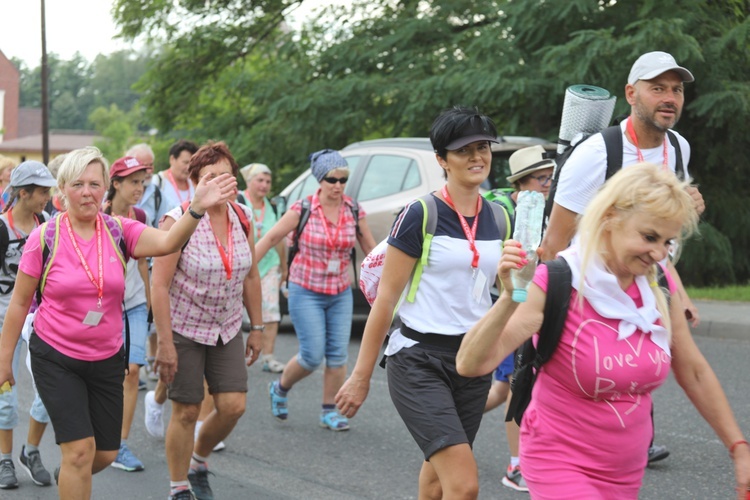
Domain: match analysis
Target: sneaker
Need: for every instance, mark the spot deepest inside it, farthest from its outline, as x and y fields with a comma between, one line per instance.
x=33, y=465
x=154, y=416
x=272, y=365
x=514, y=480
x=199, y=484
x=278, y=403
x=334, y=421
x=185, y=494
x=8, y=480
x=142, y=385
x=657, y=452
x=219, y=447
x=126, y=460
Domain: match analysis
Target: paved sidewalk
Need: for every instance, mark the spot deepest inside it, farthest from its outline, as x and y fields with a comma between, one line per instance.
x=727, y=320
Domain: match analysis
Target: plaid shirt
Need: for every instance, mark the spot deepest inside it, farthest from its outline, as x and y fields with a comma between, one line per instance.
x=310, y=267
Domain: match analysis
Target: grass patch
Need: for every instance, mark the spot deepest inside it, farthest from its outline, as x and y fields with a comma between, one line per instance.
x=735, y=293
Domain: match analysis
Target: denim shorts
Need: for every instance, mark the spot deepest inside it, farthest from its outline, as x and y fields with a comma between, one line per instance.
x=505, y=370
x=138, y=320
x=323, y=324
x=9, y=400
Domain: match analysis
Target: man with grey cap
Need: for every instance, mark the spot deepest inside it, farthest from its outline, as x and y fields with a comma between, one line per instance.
x=656, y=94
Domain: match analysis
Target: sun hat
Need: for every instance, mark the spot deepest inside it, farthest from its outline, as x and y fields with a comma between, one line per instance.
x=528, y=160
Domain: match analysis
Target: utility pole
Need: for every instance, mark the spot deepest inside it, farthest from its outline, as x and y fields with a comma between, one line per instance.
x=45, y=93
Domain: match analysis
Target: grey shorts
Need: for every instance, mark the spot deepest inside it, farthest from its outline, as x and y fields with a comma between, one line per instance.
x=439, y=407
x=222, y=365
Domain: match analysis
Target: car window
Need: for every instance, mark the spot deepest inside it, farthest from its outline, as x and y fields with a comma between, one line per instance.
x=388, y=174
x=303, y=189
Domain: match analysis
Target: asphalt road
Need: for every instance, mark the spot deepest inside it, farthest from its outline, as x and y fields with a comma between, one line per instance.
x=265, y=459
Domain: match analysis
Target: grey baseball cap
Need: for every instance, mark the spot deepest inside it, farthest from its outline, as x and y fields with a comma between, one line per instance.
x=31, y=172
x=652, y=64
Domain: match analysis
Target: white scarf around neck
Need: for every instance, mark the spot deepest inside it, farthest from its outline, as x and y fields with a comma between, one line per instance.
x=609, y=300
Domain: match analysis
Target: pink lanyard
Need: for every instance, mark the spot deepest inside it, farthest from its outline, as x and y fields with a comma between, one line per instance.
x=99, y=256
x=331, y=241
x=634, y=138
x=471, y=234
x=176, y=189
x=225, y=259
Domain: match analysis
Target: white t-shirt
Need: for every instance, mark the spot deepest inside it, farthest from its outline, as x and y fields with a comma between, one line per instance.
x=585, y=169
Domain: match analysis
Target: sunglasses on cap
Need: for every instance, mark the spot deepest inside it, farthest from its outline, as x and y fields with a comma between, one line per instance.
x=334, y=180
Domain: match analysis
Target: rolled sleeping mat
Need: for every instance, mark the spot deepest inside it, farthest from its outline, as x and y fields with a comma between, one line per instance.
x=587, y=109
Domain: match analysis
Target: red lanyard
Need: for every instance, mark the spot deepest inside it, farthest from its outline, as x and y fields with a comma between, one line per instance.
x=227, y=257
x=471, y=234
x=258, y=222
x=19, y=236
x=176, y=189
x=99, y=256
x=634, y=138
x=331, y=241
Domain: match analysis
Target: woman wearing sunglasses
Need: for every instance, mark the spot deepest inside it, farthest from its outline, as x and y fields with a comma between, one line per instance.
x=320, y=298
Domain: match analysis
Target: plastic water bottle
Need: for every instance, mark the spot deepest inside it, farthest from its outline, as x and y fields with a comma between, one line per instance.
x=528, y=232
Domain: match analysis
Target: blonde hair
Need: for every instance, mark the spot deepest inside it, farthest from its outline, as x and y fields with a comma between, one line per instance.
x=76, y=162
x=644, y=189
x=250, y=171
x=6, y=163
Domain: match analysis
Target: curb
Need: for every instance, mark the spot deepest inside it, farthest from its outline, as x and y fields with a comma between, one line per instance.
x=725, y=320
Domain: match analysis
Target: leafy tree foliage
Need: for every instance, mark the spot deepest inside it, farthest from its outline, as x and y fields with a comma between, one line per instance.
x=77, y=86
x=228, y=69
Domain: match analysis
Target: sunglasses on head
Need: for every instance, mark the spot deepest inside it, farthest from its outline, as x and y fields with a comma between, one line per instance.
x=334, y=180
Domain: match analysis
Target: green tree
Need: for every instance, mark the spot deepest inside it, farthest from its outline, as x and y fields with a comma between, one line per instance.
x=386, y=68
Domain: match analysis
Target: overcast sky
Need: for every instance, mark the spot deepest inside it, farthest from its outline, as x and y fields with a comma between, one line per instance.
x=85, y=26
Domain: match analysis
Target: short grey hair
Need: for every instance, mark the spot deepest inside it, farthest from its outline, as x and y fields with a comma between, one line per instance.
x=76, y=162
x=140, y=148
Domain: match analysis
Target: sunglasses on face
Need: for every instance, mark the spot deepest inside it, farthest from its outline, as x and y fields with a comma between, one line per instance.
x=334, y=180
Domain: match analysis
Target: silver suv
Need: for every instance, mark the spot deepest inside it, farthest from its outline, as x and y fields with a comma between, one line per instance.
x=386, y=174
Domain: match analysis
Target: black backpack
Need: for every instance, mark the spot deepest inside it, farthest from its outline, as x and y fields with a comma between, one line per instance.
x=528, y=359
x=304, y=216
x=613, y=143
x=5, y=241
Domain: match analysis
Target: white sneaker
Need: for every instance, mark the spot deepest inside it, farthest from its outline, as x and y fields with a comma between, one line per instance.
x=220, y=446
x=154, y=416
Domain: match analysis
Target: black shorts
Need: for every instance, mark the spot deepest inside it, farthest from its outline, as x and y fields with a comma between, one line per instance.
x=83, y=398
x=439, y=407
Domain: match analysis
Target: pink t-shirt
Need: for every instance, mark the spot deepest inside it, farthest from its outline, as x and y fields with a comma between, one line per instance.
x=587, y=429
x=69, y=295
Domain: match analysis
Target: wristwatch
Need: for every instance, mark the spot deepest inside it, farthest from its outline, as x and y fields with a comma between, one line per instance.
x=258, y=327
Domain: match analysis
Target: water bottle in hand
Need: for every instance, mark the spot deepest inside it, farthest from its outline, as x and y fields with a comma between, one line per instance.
x=528, y=232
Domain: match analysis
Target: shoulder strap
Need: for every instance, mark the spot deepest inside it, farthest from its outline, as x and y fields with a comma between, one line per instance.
x=48, y=239
x=502, y=219
x=429, y=224
x=679, y=167
x=157, y=205
x=140, y=215
x=113, y=227
x=244, y=222
x=158, y=179
x=304, y=216
x=613, y=142
x=4, y=243
x=529, y=359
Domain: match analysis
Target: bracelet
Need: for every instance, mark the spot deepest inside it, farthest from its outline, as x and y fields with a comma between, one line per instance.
x=258, y=327
x=735, y=445
x=195, y=214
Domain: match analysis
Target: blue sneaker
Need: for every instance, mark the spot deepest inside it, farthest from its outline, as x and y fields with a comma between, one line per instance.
x=334, y=421
x=142, y=385
x=126, y=460
x=278, y=403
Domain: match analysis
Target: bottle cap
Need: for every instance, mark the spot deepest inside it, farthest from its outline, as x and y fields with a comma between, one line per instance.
x=519, y=295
